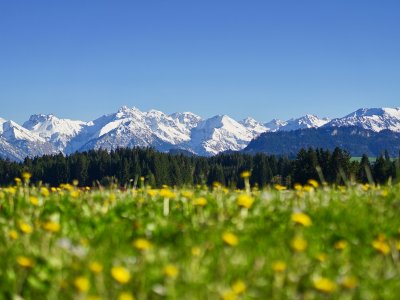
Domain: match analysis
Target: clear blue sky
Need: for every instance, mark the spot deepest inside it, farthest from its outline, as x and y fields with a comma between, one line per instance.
x=266, y=59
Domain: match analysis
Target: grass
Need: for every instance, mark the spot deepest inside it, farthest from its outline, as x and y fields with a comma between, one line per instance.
x=309, y=243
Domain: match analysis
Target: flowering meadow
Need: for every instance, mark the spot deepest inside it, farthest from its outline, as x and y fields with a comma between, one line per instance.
x=310, y=242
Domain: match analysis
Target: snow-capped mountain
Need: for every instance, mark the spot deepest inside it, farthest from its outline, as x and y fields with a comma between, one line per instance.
x=219, y=134
x=376, y=119
x=130, y=127
x=18, y=142
x=54, y=130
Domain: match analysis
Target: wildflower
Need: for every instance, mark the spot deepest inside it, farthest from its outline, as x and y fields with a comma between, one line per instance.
x=229, y=295
x=279, y=266
x=381, y=245
x=313, y=183
x=187, y=194
x=126, y=296
x=26, y=176
x=298, y=187
x=201, y=201
x=51, y=226
x=321, y=257
x=299, y=244
x=171, y=271
x=142, y=244
x=152, y=192
x=13, y=234
x=308, y=188
x=34, y=200
x=302, y=219
x=350, y=282
x=82, y=284
x=230, y=239
x=245, y=201
x=166, y=193
x=340, y=245
x=324, y=285
x=95, y=267
x=17, y=180
x=280, y=187
x=120, y=274
x=25, y=262
x=245, y=174
x=196, y=251
x=44, y=191
x=75, y=194
x=239, y=287
x=25, y=227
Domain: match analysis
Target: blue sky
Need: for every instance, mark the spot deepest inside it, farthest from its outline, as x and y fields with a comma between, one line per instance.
x=81, y=59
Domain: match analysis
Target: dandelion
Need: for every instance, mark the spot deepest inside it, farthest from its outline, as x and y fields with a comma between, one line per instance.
x=25, y=262
x=126, y=296
x=142, y=244
x=299, y=244
x=324, y=285
x=51, y=226
x=245, y=174
x=196, y=251
x=279, y=266
x=279, y=187
x=95, y=267
x=340, y=245
x=26, y=176
x=17, y=180
x=313, y=183
x=120, y=274
x=44, y=191
x=82, y=284
x=13, y=234
x=167, y=193
x=34, y=200
x=321, y=257
x=350, y=282
x=381, y=245
x=171, y=271
x=298, y=187
x=229, y=295
x=25, y=227
x=245, y=201
x=239, y=287
x=230, y=239
x=302, y=219
x=201, y=201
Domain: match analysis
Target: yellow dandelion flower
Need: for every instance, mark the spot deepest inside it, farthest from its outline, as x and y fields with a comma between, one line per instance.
x=82, y=284
x=302, y=219
x=280, y=187
x=341, y=245
x=17, y=180
x=324, y=285
x=44, y=191
x=34, y=200
x=126, y=296
x=350, y=282
x=230, y=239
x=25, y=227
x=75, y=194
x=279, y=266
x=95, y=267
x=381, y=246
x=201, y=201
x=51, y=226
x=171, y=271
x=229, y=295
x=25, y=262
x=245, y=174
x=313, y=183
x=321, y=257
x=13, y=234
x=120, y=274
x=299, y=244
x=298, y=187
x=308, y=188
x=152, y=192
x=187, y=194
x=239, y=287
x=26, y=176
x=167, y=193
x=142, y=244
x=245, y=201
x=196, y=251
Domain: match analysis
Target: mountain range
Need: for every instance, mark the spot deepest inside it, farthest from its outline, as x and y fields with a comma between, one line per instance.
x=130, y=127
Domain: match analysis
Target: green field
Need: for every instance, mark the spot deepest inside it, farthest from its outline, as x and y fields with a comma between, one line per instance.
x=308, y=243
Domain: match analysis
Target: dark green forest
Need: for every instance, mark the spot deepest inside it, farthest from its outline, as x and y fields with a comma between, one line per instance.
x=126, y=166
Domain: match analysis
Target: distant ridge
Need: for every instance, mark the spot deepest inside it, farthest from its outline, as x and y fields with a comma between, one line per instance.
x=178, y=132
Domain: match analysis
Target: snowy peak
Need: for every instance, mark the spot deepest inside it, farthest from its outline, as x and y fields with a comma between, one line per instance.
x=307, y=121
x=376, y=119
x=254, y=126
x=275, y=125
x=12, y=131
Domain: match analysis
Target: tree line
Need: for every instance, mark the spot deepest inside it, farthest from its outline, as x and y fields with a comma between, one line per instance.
x=128, y=166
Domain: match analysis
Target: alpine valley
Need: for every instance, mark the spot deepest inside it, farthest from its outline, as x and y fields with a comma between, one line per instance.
x=366, y=130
